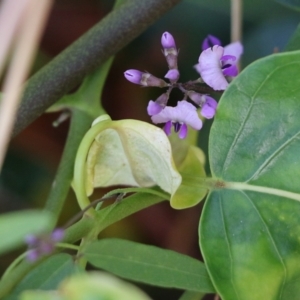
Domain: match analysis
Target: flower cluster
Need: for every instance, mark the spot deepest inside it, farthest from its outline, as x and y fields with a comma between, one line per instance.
x=42, y=244
x=216, y=65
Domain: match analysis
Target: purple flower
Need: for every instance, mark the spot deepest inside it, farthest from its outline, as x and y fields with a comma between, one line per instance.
x=167, y=41
x=208, y=104
x=172, y=75
x=208, y=109
x=143, y=78
x=217, y=62
x=180, y=116
x=155, y=107
x=210, y=41
x=42, y=244
x=170, y=50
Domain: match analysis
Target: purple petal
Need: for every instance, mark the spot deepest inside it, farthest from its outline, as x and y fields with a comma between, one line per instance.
x=167, y=40
x=168, y=127
x=231, y=71
x=228, y=59
x=236, y=49
x=134, y=76
x=31, y=240
x=32, y=255
x=172, y=75
x=184, y=113
x=153, y=108
x=196, y=97
x=209, y=68
x=208, y=110
x=183, y=131
x=210, y=41
x=57, y=235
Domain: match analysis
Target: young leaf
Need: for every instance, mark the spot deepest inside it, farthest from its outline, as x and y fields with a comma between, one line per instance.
x=249, y=230
x=47, y=275
x=149, y=264
x=16, y=225
x=131, y=152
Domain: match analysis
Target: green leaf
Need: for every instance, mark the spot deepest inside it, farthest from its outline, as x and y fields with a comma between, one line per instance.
x=294, y=4
x=190, y=295
x=189, y=194
x=149, y=264
x=16, y=225
x=47, y=275
x=294, y=42
x=130, y=152
x=250, y=239
x=90, y=286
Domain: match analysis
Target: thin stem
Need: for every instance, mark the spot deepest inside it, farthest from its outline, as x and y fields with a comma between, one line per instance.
x=69, y=68
x=67, y=246
x=15, y=263
x=80, y=123
x=236, y=20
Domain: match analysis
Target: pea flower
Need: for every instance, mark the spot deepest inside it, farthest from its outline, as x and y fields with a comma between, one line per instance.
x=217, y=62
x=179, y=116
x=42, y=244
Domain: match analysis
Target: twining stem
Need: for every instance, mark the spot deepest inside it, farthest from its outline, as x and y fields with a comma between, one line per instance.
x=86, y=54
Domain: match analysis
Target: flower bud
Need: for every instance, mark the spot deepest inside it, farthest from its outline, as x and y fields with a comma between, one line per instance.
x=144, y=79
x=170, y=50
x=167, y=40
x=172, y=75
x=157, y=106
x=196, y=98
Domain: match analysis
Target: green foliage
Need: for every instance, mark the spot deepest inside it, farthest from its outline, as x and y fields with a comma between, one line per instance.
x=89, y=286
x=250, y=239
x=149, y=264
x=46, y=276
x=294, y=4
x=294, y=42
x=14, y=226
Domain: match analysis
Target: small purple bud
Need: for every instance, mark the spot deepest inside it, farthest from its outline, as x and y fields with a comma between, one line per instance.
x=210, y=41
x=144, y=79
x=133, y=76
x=167, y=40
x=153, y=108
x=30, y=240
x=209, y=108
x=32, y=255
x=172, y=75
x=57, y=235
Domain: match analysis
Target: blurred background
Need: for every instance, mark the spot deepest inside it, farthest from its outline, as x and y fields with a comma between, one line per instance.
x=34, y=154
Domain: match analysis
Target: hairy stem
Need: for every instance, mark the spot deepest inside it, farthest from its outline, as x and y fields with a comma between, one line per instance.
x=69, y=68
